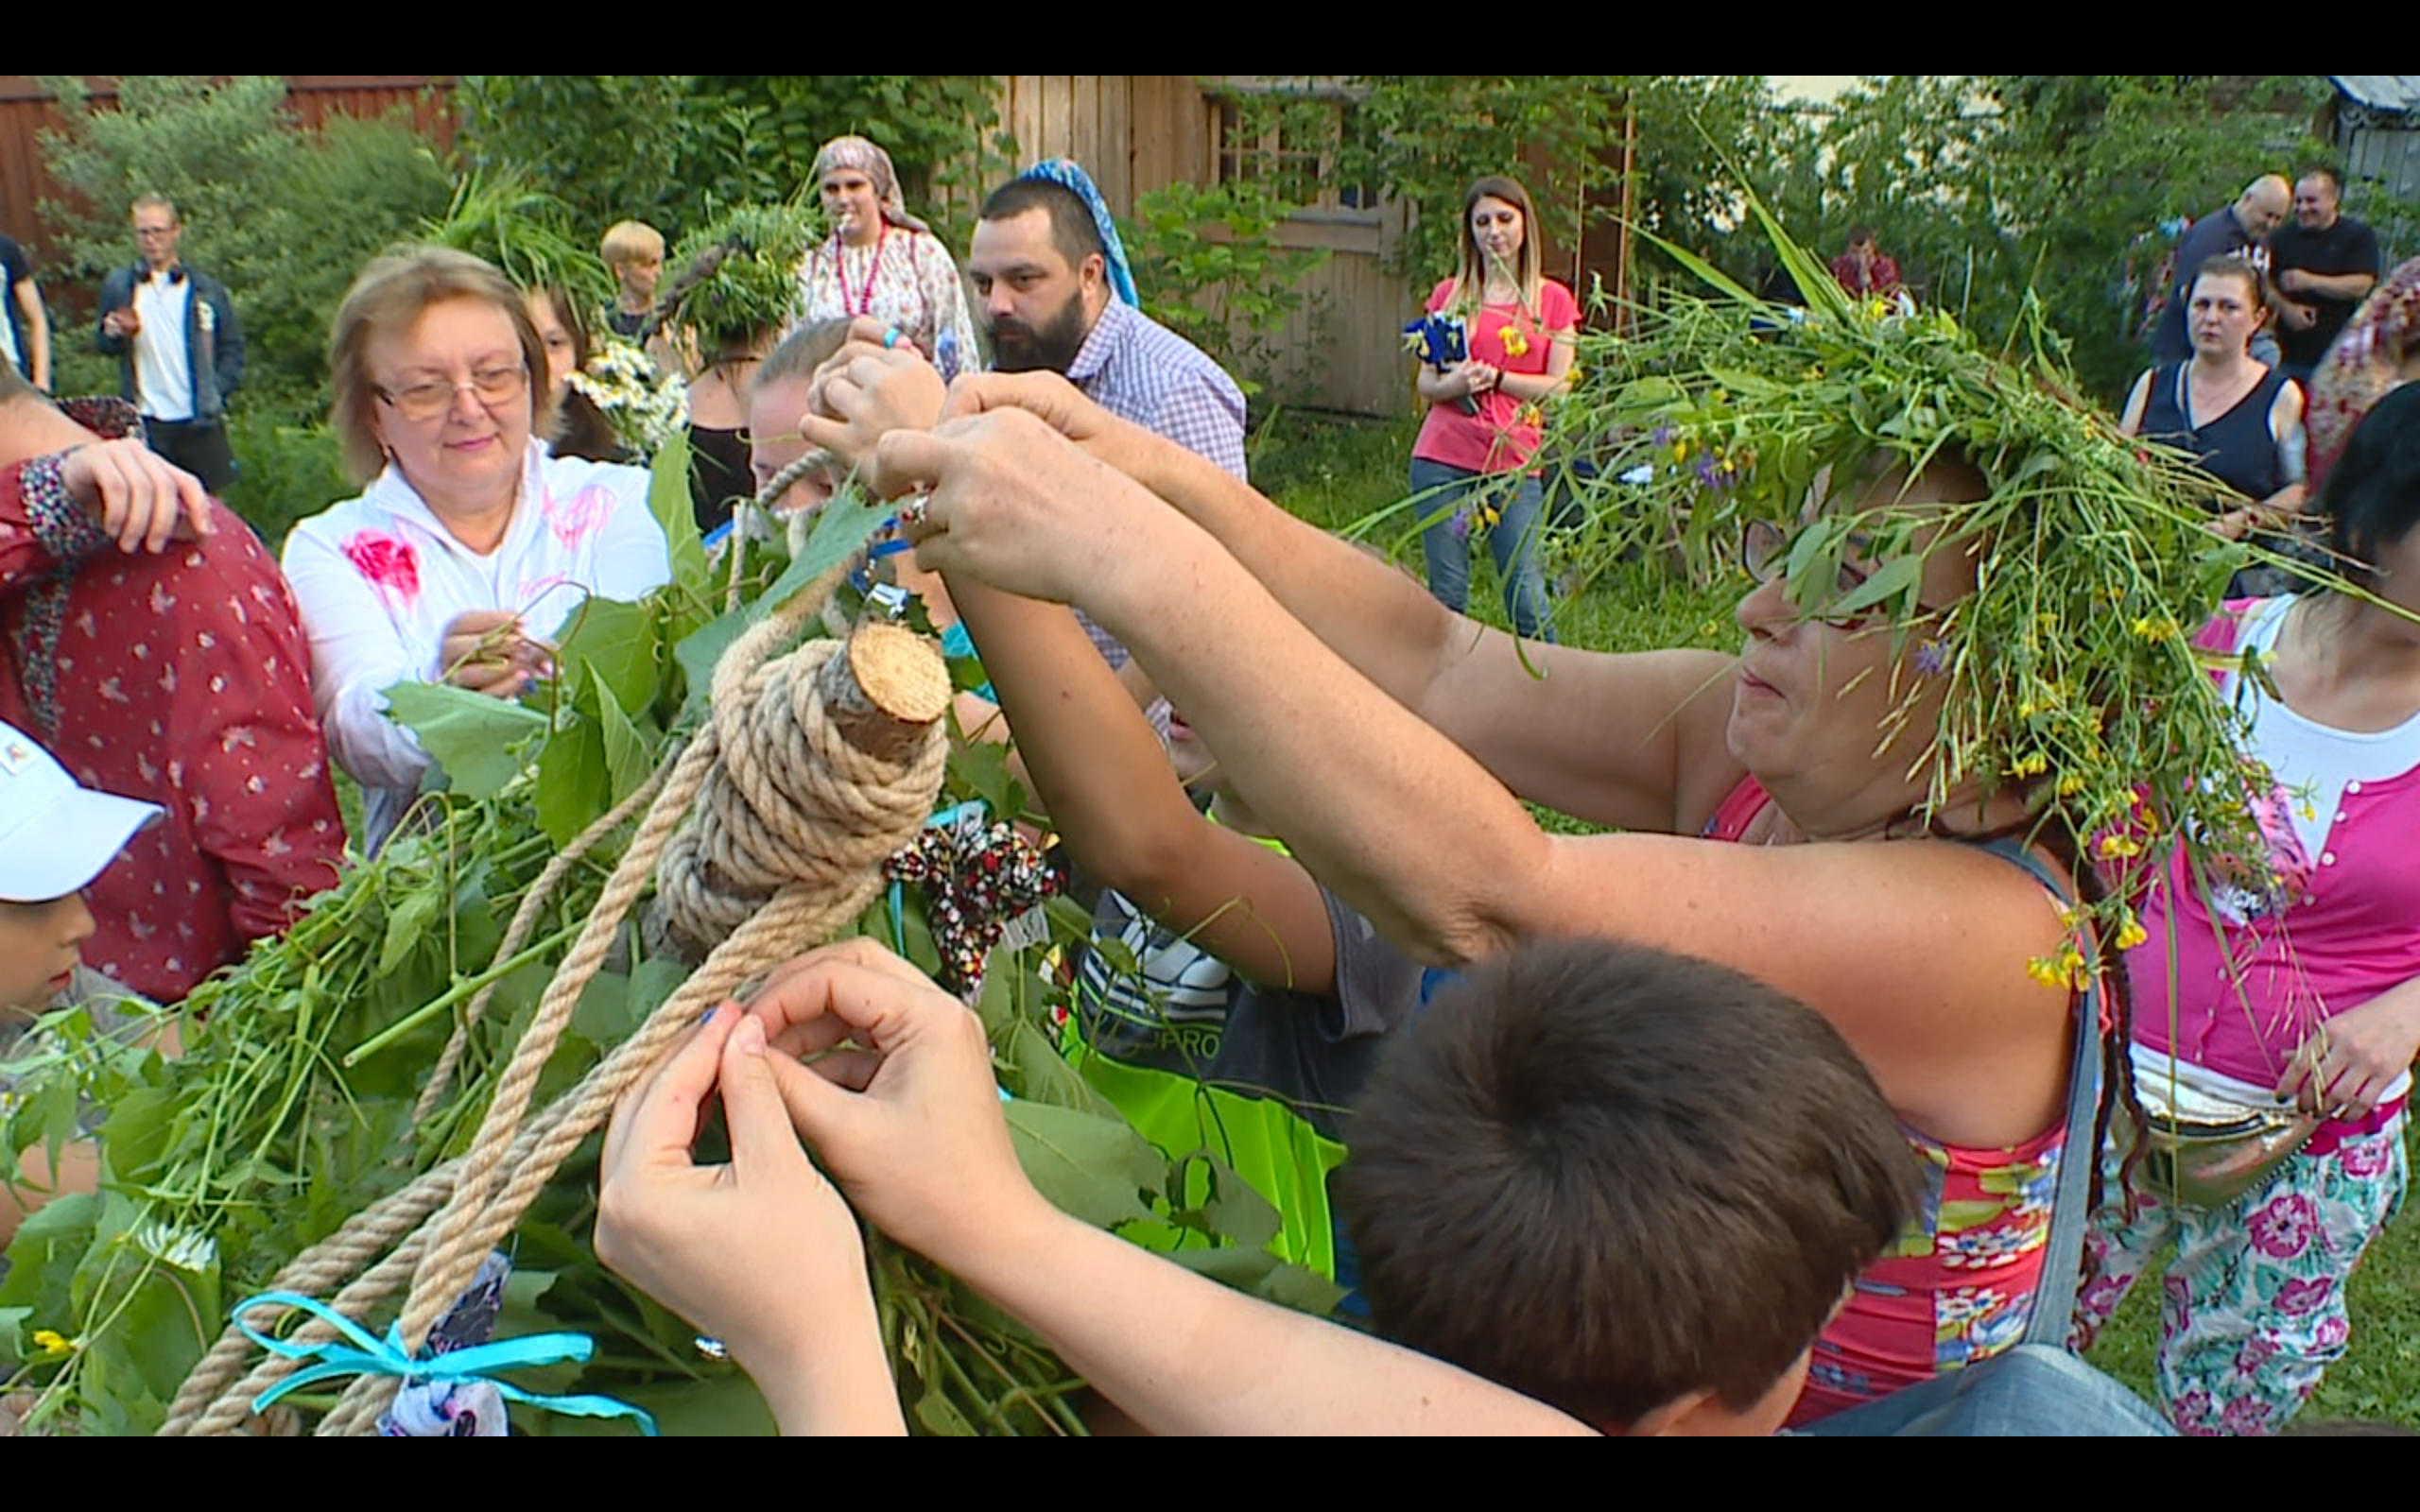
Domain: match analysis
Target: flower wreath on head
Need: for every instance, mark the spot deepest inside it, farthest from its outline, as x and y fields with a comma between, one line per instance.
x=2070, y=674
x=740, y=272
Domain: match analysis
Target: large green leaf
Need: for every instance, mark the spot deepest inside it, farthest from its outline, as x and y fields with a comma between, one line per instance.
x=1092, y=1169
x=475, y=739
x=611, y=648
x=668, y=497
x=573, y=781
x=840, y=532
x=630, y=751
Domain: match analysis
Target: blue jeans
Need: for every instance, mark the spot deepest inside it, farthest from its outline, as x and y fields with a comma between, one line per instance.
x=1440, y=493
x=2030, y=1392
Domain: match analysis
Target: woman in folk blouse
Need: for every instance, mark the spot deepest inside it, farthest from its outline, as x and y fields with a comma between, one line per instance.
x=1472, y=469
x=882, y=262
x=473, y=545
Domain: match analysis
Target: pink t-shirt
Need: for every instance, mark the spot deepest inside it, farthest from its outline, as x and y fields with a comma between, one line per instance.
x=2341, y=928
x=1505, y=435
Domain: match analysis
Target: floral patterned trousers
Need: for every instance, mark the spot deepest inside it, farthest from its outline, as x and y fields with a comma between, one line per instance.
x=2255, y=1310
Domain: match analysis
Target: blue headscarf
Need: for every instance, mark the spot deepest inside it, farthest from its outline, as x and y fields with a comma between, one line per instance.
x=1068, y=176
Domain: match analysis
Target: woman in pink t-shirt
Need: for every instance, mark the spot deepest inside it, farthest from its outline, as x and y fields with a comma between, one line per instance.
x=1473, y=468
x=2301, y=987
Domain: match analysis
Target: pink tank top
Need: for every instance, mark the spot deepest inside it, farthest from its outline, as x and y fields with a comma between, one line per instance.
x=1958, y=1289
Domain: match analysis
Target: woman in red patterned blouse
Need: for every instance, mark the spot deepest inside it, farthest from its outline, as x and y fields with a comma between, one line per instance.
x=148, y=640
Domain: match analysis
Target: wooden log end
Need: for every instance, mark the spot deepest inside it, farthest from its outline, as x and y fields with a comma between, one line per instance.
x=887, y=691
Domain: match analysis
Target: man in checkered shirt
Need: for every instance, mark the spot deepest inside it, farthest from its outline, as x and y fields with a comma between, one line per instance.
x=1052, y=301
x=1055, y=296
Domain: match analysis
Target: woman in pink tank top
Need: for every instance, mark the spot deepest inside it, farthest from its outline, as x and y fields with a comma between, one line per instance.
x=1890, y=867
x=2301, y=986
x=1917, y=944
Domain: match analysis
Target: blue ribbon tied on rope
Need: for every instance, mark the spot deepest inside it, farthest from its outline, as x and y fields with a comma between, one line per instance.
x=361, y=1353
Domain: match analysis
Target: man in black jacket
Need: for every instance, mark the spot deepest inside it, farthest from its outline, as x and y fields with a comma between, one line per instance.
x=181, y=351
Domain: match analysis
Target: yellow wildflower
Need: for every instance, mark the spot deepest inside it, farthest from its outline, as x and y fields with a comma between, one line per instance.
x=1534, y=416
x=2132, y=935
x=2031, y=764
x=53, y=1345
x=1516, y=345
x=2067, y=971
x=2120, y=848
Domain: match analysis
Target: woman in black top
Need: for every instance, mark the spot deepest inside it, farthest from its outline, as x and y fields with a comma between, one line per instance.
x=2242, y=418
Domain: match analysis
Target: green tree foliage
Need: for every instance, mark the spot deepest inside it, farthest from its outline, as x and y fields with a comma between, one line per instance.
x=284, y=217
x=1212, y=269
x=1428, y=137
x=1986, y=185
x=676, y=149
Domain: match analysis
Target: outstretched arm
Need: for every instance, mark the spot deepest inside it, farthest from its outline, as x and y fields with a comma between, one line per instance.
x=1107, y=787
x=1595, y=736
x=1857, y=939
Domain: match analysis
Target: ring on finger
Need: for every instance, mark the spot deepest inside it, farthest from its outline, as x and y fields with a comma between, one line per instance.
x=891, y=339
x=913, y=515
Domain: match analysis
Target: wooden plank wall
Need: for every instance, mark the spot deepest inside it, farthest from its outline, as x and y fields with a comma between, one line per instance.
x=26, y=110
x=1137, y=132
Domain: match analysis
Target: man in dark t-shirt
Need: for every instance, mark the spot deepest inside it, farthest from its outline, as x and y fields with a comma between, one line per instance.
x=2323, y=264
x=2240, y=227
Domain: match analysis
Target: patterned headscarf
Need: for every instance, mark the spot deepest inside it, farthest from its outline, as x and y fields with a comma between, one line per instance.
x=857, y=153
x=2363, y=367
x=1068, y=176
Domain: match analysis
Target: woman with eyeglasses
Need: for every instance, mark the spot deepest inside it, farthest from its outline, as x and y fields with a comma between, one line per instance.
x=472, y=544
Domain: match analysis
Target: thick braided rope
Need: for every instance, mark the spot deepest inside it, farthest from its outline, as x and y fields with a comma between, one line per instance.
x=483, y=1167
x=792, y=804
x=217, y=1397
x=456, y=1252
x=525, y=926
x=792, y=922
x=475, y=1220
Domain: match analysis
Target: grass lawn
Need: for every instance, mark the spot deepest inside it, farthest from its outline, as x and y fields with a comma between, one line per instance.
x=1345, y=476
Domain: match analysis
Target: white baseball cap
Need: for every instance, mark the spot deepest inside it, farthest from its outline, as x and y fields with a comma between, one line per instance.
x=56, y=837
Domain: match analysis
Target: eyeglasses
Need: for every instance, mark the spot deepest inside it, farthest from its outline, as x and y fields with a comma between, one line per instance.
x=1764, y=550
x=489, y=385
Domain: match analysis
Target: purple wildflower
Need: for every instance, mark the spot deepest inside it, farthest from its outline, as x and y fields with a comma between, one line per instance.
x=1932, y=660
x=1666, y=436
x=1461, y=524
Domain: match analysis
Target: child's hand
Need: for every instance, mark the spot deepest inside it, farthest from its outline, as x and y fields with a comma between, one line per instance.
x=903, y=1108
x=142, y=502
x=761, y=1253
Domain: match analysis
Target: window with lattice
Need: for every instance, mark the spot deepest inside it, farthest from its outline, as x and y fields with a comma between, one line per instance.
x=1289, y=139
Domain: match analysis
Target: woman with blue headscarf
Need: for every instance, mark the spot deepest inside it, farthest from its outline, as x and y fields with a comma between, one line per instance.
x=881, y=263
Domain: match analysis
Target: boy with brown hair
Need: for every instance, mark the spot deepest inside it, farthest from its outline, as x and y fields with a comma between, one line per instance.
x=1631, y=1186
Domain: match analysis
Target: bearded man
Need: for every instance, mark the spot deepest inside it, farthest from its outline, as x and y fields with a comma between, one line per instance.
x=1056, y=296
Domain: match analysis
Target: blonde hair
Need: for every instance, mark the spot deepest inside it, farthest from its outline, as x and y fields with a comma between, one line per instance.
x=633, y=241
x=1470, y=283
x=391, y=294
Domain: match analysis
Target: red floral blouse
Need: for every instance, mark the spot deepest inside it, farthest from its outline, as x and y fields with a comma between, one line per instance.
x=182, y=680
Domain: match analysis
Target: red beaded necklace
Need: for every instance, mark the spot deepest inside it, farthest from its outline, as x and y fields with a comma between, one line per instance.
x=863, y=303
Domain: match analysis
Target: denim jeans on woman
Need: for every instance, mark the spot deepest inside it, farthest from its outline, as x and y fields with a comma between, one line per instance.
x=1443, y=495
